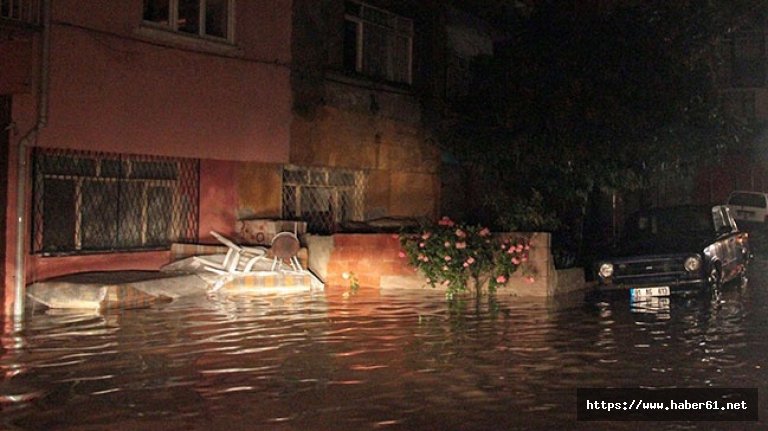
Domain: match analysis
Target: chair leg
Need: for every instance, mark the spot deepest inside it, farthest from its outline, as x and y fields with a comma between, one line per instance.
x=296, y=264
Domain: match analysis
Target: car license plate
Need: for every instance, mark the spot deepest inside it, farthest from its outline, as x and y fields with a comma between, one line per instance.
x=645, y=292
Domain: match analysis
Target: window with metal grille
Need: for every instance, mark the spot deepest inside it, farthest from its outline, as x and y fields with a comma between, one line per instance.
x=377, y=43
x=323, y=197
x=87, y=201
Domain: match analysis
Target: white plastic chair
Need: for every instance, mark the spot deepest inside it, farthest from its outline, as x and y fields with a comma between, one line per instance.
x=232, y=260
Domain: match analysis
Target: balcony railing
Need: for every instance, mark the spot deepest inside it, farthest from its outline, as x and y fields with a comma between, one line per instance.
x=22, y=11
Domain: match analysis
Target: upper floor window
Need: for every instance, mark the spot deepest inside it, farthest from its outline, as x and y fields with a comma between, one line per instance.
x=25, y=11
x=377, y=43
x=207, y=18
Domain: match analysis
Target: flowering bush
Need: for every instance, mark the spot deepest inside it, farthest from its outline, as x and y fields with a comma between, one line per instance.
x=449, y=254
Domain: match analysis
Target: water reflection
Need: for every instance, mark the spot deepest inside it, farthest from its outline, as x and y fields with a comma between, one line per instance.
x=373, y=360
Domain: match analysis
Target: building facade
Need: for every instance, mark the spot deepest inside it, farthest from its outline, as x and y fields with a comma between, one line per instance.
x=132, y=127
x=129, y=127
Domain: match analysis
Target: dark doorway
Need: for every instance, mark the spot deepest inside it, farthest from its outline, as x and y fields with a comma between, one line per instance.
x=5, y=180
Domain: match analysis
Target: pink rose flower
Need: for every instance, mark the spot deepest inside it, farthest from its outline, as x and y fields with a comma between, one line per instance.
x=471, y=260
x=460, y=233
x=515, y=261
x=445, y=221
x=447, y=244
x=426, y=235
x=501, y=279
x=461, y=245
x=447, y=258
x=422, y=245
x=484, y=231
x=529, y=279
x=401, y=254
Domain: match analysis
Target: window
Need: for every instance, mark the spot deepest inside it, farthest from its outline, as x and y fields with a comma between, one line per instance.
x=206, y=18
x=377, y=43
x=324, y=198
x=87, y=201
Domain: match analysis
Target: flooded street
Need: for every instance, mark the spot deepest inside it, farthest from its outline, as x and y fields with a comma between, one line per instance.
x=391, y=360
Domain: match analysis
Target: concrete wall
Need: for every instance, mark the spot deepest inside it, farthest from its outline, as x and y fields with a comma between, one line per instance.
x=346, y=120
x=400, y=163
x=374, y=261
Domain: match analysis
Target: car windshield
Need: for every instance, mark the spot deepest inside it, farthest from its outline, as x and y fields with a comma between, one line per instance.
x=670, y=222
x=747, y=200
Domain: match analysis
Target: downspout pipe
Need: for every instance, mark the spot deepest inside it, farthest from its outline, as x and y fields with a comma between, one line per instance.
x=19, y=290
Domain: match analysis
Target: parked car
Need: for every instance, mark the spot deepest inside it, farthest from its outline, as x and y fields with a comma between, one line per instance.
x=664, y=250
x=749, y=208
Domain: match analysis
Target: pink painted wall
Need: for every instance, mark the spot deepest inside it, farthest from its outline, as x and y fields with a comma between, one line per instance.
x=115, y=87
x=218, y=198
x=18, y=55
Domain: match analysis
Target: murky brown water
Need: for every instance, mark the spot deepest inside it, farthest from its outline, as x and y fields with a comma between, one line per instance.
x=401, y=360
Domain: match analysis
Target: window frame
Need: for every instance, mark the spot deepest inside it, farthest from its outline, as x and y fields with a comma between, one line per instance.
x=299, y=182
x=181, y=217
x=172, y=25
x=361, y=23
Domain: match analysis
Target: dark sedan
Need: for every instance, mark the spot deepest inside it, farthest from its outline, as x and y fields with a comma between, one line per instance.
x=675, y=248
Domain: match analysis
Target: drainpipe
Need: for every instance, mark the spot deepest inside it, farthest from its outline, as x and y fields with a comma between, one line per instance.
x=19, y=291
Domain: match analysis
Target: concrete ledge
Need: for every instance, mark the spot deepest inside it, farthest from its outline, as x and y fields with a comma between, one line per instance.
x=374, y=261
x=113, y=289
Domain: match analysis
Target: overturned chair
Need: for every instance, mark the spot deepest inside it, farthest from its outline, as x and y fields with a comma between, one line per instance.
x=239, y=260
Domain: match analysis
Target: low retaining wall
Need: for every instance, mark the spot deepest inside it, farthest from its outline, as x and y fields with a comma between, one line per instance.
x=374, y=261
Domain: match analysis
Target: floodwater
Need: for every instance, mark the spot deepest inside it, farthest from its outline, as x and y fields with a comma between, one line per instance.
x=393, y=360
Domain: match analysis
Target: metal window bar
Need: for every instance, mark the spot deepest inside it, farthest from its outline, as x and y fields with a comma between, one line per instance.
x=26, y=11
x=90, y=201
x=325, y=198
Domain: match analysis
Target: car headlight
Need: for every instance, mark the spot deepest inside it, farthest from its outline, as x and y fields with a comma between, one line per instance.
x=692, y=263
x=606, y=270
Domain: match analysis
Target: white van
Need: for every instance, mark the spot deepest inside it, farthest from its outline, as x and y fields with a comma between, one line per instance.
x=749, y=207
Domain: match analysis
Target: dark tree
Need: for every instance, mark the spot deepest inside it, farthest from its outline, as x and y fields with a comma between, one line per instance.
x=578, y=100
